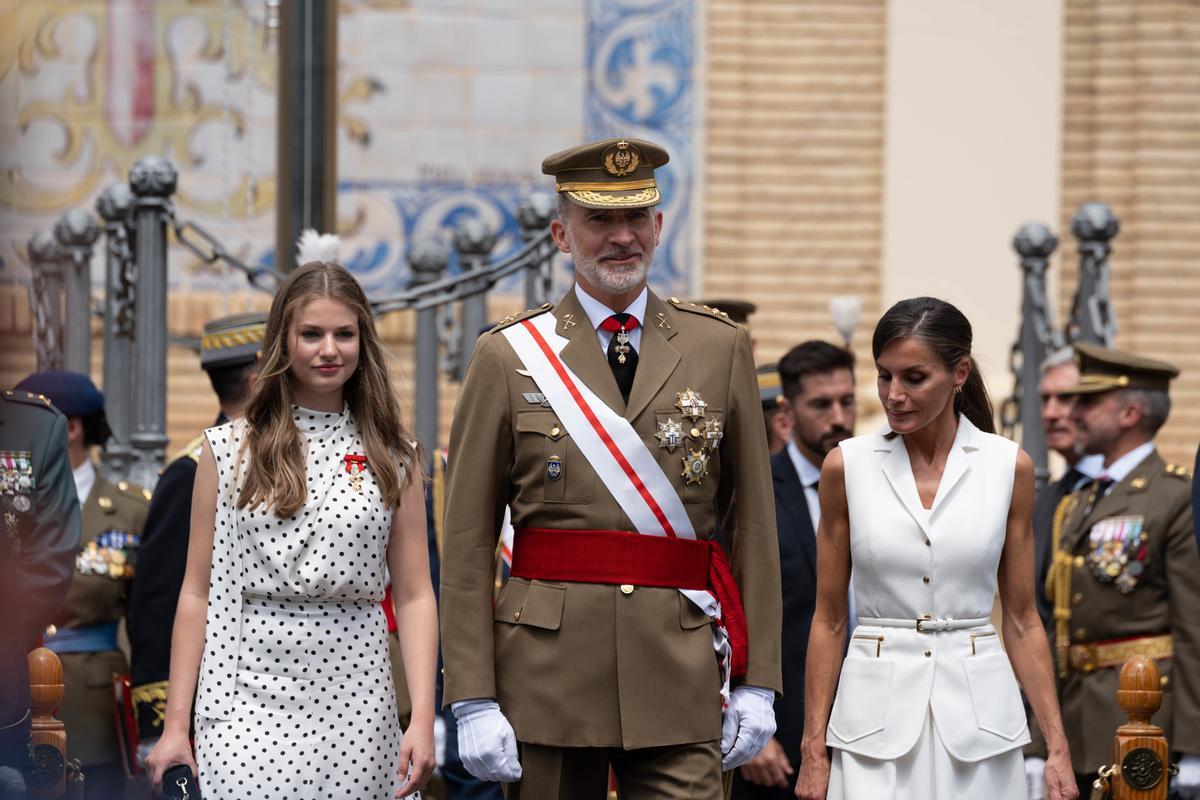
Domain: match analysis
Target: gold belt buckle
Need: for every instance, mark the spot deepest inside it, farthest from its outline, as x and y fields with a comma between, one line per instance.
x=923, y=618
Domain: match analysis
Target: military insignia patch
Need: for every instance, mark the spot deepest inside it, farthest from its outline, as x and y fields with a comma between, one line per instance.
x=695, y=466
x=536, y=399
x=1117, y=551
x=690, y=404
x=670, y=433
x=554, y=468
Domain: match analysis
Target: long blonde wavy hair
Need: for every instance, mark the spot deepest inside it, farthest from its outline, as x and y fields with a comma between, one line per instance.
x=275, y=475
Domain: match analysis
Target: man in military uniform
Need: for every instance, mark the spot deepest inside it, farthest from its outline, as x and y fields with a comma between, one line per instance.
x=1126, y=574
x=39, y=517
x=229, y=355
x=84, y=631
x=617, y=427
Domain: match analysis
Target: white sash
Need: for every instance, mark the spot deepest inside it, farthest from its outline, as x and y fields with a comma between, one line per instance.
x=626, y=467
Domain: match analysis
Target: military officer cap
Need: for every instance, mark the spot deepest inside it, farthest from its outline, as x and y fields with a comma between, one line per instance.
x=232, y=341
x=738, y=310
x=770, y=387
x=611, y=173
x=1102, y=369
x=71, y=393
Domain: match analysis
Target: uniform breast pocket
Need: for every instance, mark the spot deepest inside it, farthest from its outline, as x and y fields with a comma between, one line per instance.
x=547, y=459
x=689, y=452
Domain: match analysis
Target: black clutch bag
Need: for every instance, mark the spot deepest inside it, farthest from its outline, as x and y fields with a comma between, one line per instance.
x=179, y=783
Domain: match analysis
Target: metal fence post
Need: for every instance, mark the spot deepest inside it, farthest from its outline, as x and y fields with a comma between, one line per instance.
x=76, y=231
x=152, y=180
x=473, y=240
x=114, y=204
x=533, y=217
x=427, y=258
x=1092, y=316
x=45, y=298
x=1034, y=243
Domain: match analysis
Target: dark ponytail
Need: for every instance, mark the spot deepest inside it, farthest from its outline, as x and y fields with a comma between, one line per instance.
x=946, y=330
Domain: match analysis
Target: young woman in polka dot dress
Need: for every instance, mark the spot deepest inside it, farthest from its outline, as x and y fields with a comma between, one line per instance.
x=301, y=511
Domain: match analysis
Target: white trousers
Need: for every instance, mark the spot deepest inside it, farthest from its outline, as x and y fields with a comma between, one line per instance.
x=927, y=772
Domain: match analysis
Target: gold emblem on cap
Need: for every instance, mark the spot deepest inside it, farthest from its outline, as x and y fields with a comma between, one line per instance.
x=621, y=159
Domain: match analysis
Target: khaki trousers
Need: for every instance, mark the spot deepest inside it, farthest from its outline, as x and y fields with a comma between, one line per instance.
x=675, y=772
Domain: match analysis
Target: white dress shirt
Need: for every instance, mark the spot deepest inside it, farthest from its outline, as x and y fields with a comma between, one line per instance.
x=598, y=312
x=1120, y=469
x=1092, y=467
x=85, y=479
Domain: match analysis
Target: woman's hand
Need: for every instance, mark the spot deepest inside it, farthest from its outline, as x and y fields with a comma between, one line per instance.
x=417, y=760
x=173, y=748
x=1060, y=778
x=813, y=783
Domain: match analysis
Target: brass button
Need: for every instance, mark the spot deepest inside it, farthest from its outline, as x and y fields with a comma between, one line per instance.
x=927, y=543
x=555, y=431
x=925, y=579
x=517, y=615
x=928, y=653
x=695, y=433
x=1077, y=599
x=1081, y=633
x=1164, y=680
x=626, y=588
x=51, y=630
x=1078, y=562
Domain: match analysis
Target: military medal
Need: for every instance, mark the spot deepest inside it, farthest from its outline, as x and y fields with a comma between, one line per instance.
x=1117, y=551
x=554, y=468
x=695, y=466
x=622, y=348
x=713, y=434
x=669, y=434
x=356, y=465
x=690, y=404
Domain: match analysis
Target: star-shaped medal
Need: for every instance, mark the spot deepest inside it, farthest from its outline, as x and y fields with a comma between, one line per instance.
x=622, y=347
x=690, y=404
x=669, y=434
x=695, y=466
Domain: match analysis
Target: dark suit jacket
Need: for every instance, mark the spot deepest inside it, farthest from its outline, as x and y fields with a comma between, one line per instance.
x=798, y=571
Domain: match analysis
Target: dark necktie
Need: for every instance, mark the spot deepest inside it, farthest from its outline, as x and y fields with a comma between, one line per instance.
x=1096, y=491
x=622, y=358
x=1070, y=482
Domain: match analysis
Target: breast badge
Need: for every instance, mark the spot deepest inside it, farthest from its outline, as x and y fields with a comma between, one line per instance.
x=554, y=468
x=670, y=433
x=695, y=466
x=713, y=434
x=690, y=404
x=16, y=487
x=1117, y=551
x=112, y=554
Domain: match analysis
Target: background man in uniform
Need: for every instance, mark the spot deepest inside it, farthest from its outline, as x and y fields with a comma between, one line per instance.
x=593, y=674
x=39, y=536
x=84, y=630
x=818, y=389
x=776, y=420
x=1059, y=373
x=1126, y=574
x=229, y=354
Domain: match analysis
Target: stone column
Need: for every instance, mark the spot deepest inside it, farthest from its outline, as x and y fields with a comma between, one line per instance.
x=534, y=216
x=152, y=181
x=114, y=205
x=45, y=299
x=427, y=258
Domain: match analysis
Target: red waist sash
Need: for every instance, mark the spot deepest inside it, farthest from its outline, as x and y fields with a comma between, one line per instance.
x=619, y=557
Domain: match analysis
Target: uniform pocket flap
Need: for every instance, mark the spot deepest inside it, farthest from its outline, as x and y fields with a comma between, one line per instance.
x=863, y=695
x=536, y=604
x=544, y=422
x=994, y=695
x=690, y=615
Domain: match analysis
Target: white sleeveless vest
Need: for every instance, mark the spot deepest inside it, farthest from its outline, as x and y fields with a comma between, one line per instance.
x=941, y=564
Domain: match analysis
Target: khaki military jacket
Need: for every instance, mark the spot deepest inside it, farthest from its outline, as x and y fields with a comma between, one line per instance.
x=99, y=592
x=575, y=664
x=1164, y=598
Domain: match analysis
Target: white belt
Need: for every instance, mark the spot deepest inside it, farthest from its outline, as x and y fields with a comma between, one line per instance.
x=924, y=624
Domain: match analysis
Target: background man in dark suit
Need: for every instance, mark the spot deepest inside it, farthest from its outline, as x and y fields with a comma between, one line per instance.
x=817, y=379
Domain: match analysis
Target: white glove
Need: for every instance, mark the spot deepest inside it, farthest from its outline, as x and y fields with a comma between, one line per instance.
x=439, y=741
x=1035, y=777
x=486, y=741
x=747, y=725
x=1187, y=782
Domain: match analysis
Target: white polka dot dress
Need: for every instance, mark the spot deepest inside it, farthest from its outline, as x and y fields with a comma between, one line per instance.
x=296, y=697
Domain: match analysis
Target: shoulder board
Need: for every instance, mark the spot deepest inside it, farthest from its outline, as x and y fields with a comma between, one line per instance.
x=133, y=491
x=513, y=319
x=704, y=311
x=1179, y=471
x=32, y=399
x=190, y=450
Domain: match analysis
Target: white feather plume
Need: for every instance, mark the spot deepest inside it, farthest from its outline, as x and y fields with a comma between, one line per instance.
x=315, y=246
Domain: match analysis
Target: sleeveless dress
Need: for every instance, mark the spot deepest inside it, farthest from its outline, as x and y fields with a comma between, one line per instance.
x=296, y=696
x=928, y=709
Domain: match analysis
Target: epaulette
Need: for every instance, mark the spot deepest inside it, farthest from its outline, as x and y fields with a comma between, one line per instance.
x=132, y=490
x=1179, y=471
x=704, y=311
x=30, y=398
x=191, y=450
x=513, y=319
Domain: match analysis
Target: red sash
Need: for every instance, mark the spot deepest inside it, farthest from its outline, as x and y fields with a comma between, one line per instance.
x=621, y=557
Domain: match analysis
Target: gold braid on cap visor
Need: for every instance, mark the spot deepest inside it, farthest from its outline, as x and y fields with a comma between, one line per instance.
x=643, y=198
x=220, y=341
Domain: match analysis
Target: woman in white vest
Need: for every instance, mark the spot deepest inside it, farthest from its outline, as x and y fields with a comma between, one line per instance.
x=933, y=512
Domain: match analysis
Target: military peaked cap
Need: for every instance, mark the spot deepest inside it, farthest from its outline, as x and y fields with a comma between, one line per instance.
x=232, y=341
x=611, y=173
x=1102, y=369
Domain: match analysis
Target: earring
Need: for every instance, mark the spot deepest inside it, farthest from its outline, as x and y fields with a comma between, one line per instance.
x=958, y=389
